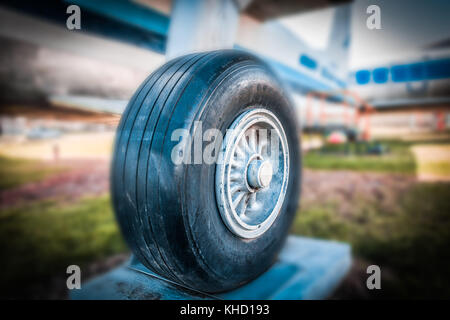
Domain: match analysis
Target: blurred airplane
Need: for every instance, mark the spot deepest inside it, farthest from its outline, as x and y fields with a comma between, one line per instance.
x=136, y=34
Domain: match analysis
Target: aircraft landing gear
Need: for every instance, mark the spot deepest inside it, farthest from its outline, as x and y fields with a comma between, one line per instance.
x=208, y=226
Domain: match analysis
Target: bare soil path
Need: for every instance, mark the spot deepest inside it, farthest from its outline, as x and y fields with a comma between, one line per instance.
x=81, y=178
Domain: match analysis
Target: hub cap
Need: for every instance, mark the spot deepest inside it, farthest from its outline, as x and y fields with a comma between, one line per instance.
x=252, y=173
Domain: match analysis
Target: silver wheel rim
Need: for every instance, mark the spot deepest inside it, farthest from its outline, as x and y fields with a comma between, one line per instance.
x=252, y=173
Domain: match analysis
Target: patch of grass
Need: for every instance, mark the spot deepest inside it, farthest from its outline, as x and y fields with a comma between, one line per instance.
x=351, y=156
x=40, y=240
x=411, y=239
x=15, y=172
x=399, y=157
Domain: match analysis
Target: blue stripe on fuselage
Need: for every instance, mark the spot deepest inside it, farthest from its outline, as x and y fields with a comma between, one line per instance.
x=417, y=71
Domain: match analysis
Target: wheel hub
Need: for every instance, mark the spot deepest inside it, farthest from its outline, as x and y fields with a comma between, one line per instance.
x=252, y=173
x=259, y=174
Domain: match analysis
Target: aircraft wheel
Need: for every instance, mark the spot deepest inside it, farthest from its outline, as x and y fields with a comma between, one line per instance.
x=206, y=170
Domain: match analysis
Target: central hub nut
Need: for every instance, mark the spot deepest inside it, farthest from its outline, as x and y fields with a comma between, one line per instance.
x=259, y=174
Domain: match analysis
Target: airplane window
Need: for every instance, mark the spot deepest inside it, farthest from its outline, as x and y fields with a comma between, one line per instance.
x=362, y=76
x=308, y=62
x=380, y=75
x=417, y=71
x=400, y=73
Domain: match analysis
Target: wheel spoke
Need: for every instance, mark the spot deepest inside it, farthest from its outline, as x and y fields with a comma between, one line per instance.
x=236, y=188
x=252, y=200
x=239, y=152
x=239, y=164
x=238, y=199
x=243, y=206
x=235, y=176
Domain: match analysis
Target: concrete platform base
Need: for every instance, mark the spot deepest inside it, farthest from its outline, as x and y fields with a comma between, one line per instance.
x=306, y=269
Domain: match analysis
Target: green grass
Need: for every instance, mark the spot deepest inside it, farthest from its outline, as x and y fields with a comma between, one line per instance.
x=412, y=240
x=40, y=240
x=15, y=172
x=349, y=156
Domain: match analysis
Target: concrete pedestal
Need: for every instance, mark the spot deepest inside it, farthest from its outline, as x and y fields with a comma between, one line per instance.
x=306, y=269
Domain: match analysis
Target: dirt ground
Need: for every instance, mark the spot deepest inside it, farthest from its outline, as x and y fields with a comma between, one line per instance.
x=81, y=178
x=91, y=177
x=343, y=188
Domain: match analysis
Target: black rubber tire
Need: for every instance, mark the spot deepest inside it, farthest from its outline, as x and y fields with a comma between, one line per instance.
x=168, y=212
